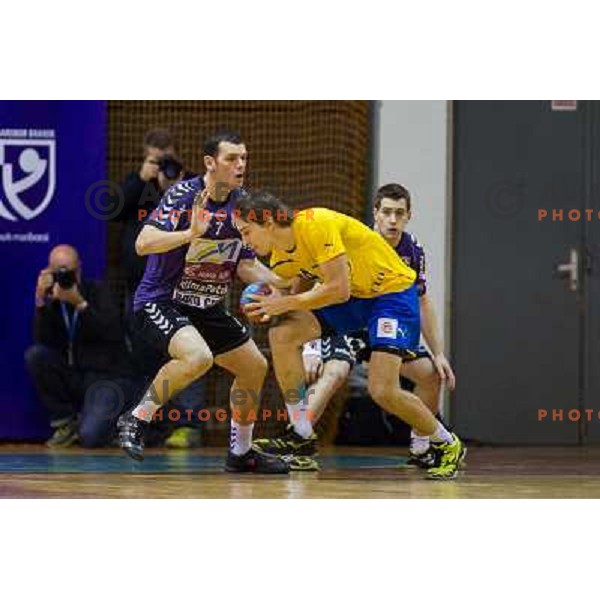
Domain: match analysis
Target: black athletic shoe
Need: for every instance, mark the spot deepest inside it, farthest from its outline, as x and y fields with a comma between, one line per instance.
x=131, y=435
x=289, y=443
x=426, y=460
x=256, y=462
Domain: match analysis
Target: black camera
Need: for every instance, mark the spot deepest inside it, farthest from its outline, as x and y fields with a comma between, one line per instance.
x=170, y=166
x=65, y=278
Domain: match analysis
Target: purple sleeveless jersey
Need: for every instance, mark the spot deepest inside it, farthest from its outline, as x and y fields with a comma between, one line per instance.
x=199, y=274
x=412, y=253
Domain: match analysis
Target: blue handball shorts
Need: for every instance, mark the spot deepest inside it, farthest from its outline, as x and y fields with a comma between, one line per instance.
x=392, y=320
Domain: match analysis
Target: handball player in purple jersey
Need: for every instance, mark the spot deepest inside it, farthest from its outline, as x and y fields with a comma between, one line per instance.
x=195, y=252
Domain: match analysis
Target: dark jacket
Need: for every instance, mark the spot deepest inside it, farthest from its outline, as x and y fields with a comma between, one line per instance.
x=138, y=195
x=98, y=343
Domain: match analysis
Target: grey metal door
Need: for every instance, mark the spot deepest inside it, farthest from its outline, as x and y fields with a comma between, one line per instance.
x=591, y=273
x=518, y=309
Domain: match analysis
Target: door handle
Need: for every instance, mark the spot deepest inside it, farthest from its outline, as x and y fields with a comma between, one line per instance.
x=571, y=270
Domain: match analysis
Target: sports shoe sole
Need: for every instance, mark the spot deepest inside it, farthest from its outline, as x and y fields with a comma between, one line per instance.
x=281, y=452
x=133, y=454
x=72, y=439
x=229, y=469
x=302, y=463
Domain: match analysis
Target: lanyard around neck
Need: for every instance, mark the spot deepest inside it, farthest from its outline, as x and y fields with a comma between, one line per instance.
x=70, y=323
x=70, y=326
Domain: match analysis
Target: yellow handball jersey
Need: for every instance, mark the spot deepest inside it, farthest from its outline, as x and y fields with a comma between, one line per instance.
x=321, y=234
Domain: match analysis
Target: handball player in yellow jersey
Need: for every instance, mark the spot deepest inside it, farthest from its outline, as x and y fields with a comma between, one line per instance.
x=363, y=283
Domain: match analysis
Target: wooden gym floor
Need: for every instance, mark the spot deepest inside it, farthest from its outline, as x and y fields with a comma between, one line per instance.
x=36, y=472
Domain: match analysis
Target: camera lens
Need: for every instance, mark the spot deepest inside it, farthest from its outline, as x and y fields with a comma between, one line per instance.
x=170, y=166
x=65, y=278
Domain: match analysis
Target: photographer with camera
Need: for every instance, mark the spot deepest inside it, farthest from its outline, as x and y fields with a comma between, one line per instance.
x=142, y=191
x=78, y=363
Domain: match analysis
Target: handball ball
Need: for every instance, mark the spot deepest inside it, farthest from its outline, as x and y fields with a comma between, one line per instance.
x=261, y=289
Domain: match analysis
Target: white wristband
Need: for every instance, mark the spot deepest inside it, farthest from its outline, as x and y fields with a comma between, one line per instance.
x=312, y=348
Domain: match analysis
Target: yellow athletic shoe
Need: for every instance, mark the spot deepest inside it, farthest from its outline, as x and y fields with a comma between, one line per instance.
x=184, y=437
x=301, y=463
x=451, y=456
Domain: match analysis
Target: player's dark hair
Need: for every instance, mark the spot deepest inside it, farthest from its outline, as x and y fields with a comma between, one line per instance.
x=211, y=144
x=158, y=138
x=258, y=206
x=394, y=191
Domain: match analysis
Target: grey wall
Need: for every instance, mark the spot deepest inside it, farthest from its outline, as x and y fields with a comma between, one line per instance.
x=411, y=149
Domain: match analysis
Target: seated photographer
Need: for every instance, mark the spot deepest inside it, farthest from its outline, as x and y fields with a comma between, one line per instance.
x=78, y=364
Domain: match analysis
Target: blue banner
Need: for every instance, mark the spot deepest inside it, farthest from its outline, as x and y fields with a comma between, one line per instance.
x=51, y=155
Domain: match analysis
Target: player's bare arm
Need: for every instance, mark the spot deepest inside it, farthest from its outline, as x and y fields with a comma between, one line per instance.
x=334, y=289
x=251, y=270
x=430, y=331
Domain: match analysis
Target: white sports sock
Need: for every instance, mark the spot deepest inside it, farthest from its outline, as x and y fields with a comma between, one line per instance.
x=441, y=434
x=418, y=444
x=240, y=438
x=147, y=407
x=298, y=413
